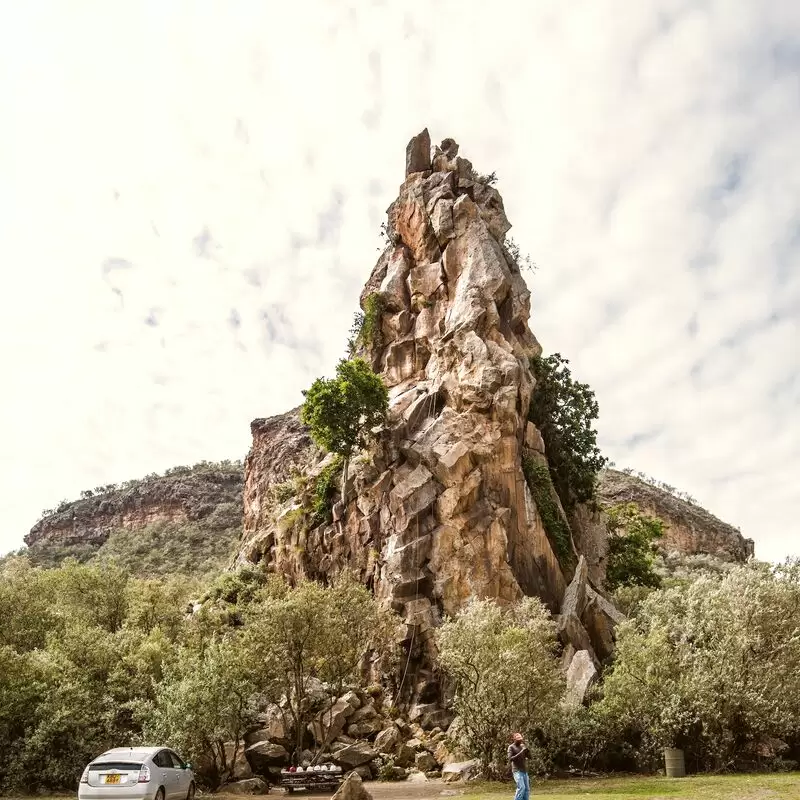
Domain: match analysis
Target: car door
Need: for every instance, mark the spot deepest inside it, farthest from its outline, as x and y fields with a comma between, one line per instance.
x=168, y=778
x=182, y=775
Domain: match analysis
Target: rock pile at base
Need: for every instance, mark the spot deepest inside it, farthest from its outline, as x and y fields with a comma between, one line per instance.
x=362, y=736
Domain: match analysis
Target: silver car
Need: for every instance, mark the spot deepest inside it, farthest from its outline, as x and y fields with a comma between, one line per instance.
x=137, y=773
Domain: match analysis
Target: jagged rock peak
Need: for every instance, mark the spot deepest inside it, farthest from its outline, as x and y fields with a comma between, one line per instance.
x=439, y=511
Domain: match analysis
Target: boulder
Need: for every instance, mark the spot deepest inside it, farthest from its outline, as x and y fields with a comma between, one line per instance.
x=352, y=788
x=276, y=726
x=405, y=756
x=365, y=723
x=418, y=153
x=600, y=617
x=575, y=597
x=417, y=777
x=354, y=755
x=248, y=786
x=241, y=767
x=388, y=740
x=425, y=762
x=316, y=692
x=263, y=755
x=429, y=716
x=366, y=729
x=352, y=699
x=330, y=722
x=460, y=770
x=581, y=674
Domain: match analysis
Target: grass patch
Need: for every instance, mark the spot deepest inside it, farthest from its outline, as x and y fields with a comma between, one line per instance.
x=718, y=787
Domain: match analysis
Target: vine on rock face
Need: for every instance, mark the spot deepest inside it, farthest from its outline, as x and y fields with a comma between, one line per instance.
x=324, y=490
x=366, y=329
x=540, y=484
x=563, y=410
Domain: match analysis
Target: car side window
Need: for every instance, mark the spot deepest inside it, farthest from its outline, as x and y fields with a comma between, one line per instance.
x=161, y=759
x=176, y=762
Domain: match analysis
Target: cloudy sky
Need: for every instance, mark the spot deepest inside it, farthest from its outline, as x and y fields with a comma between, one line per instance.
x=191, y=195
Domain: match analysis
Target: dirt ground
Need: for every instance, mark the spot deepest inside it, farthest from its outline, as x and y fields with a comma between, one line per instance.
x=721, y=787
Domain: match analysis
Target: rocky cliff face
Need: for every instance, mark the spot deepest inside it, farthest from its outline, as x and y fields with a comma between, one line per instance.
x=207, y=496
x=688, y=528
x=439, y=511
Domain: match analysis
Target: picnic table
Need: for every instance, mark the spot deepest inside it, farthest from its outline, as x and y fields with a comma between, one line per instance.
x=310, y=778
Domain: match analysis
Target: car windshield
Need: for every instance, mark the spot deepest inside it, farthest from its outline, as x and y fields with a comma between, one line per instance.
x=99, y=766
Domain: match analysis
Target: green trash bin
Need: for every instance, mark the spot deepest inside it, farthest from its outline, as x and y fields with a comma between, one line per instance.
x=675, y=763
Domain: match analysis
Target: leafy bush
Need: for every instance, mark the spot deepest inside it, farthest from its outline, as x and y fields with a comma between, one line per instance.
x=711, y=666
x=632, y=537
x=564, y=410
x=313, y=632
x=341, y=412
x=205, y=700
x=324, y=491
x=503, y=671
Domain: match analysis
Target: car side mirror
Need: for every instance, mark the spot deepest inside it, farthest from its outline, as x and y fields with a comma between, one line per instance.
x=188, y=766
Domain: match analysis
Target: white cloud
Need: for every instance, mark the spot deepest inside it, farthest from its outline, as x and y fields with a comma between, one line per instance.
x=240, y=159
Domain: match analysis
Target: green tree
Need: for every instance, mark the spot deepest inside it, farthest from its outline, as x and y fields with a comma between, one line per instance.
x=632, y=536
x=313, y=632
x=27, y=608
x=711, y=666
x=341, y=412
x=502, y=666
x=204, y=703
x=564, y=411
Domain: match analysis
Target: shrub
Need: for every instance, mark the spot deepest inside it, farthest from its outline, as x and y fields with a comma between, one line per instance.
x=324, y=491
x=564, y=410
x=711, y=666
x=366, y=329
x=502, y=667
x=341, y=412
x=632, y=536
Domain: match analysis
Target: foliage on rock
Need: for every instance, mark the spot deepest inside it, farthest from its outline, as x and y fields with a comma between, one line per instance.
x=541, y=485
x=564, y=411
x=504, y=674
x=632, y=537
x=341, y=412
x=366, y=328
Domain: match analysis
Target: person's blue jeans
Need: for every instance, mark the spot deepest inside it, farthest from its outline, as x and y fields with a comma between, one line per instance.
x=523, y=785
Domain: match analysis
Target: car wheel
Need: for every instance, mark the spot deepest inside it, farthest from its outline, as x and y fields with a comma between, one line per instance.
x=190, y=793
x=160, y=794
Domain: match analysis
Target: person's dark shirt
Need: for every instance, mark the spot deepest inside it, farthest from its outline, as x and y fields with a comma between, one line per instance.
x=518, y=756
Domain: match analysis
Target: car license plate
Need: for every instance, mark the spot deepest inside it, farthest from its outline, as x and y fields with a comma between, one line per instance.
x=112, y=778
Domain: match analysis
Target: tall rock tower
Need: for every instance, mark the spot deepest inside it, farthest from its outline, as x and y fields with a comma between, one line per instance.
x=439, y=511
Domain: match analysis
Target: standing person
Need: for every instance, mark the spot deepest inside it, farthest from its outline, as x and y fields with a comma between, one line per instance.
x=518, y=754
